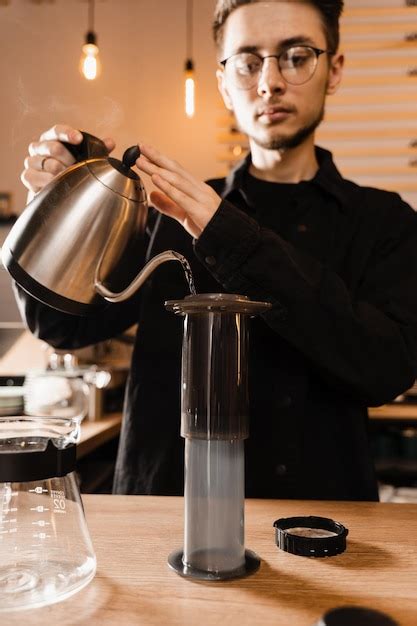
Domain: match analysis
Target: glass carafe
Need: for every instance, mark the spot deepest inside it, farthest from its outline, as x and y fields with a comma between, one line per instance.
x=46, y=553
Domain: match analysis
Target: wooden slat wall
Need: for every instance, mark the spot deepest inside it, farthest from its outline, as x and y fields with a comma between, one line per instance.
x=371, y=123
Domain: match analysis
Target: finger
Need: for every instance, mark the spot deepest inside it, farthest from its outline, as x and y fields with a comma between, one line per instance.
x=167, y=206
x=179, y=197
x=192, y=210
x=164, y=205
x=109, y=143
x=62, y=132
x=54, y=149
x=163, y=161
x=45, y=164
x=34, y=180
x=147, y=166
x=189, y=186
x=150, y=168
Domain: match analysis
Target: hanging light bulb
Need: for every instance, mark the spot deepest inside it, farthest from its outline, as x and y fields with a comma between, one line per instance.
x=189, y=88
x=189, y=65
x=90, y=65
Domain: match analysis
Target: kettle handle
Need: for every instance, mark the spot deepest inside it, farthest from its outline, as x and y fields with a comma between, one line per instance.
x=91, y=147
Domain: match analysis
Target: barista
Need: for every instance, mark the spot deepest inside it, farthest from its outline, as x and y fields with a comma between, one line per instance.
x=337, y=261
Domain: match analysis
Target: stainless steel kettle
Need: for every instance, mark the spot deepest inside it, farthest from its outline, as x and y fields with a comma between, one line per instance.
x=81, y=240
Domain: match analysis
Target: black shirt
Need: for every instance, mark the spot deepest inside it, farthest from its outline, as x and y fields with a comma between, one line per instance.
x=338, y=263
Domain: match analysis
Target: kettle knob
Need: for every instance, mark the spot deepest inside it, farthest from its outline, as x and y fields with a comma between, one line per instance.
x=130, y=155
x=91, y=147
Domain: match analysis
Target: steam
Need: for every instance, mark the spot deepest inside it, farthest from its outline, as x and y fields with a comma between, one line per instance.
x=37, y=112
x=113, y=117
x=22, y=99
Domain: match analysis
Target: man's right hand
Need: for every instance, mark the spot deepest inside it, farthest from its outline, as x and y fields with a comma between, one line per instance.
x=48, y=156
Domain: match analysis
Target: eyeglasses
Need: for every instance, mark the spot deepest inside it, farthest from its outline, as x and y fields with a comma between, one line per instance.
x=296, y=64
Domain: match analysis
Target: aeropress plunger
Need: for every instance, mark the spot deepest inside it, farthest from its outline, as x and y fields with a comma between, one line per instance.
x=214, y=423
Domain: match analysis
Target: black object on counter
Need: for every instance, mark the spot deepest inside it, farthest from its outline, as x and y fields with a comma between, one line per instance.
x=355, y=616
x=310, y=536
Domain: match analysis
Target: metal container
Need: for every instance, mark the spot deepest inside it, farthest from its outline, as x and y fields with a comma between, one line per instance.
x=81, y=240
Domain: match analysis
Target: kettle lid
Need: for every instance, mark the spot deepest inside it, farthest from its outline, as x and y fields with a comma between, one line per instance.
x=128, y=160
x=118, y=176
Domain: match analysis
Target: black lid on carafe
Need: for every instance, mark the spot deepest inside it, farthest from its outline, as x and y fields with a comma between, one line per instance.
x=27, y=466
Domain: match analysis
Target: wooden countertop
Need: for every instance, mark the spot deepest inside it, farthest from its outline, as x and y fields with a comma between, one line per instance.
x=133, y=535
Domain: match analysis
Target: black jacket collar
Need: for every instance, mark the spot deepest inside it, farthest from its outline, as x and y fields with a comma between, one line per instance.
x=327, y=177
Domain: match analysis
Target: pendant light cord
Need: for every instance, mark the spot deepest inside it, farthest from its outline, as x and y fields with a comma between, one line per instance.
x=91, y=15
x=189, y=29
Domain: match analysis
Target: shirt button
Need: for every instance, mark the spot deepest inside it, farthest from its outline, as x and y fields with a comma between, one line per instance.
x=210, y=260
x=281, y=470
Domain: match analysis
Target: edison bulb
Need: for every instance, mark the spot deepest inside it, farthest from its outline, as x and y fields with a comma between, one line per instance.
x=189, y=96
x=90, y=65
x=189, y=89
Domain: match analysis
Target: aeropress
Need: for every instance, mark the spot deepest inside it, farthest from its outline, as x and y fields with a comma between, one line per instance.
x=214, y=423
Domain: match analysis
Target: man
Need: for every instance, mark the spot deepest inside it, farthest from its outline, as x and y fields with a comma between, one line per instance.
x=338, y=263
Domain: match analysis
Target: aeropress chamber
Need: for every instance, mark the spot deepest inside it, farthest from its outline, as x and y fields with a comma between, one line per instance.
x=214, y=423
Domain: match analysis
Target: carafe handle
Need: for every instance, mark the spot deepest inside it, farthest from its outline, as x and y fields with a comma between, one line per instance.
x=110, y=296
x=91, y=147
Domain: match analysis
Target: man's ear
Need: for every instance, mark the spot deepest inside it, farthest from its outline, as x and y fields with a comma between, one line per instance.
x=335, y=73
x=223, y=90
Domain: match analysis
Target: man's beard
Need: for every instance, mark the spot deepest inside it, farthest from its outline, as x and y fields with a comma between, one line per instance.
x=293, y=141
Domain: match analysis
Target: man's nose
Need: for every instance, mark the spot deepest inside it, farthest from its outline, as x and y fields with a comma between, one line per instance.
x=270, y=80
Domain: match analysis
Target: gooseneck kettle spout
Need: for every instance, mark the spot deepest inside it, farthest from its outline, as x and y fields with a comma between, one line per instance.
x=81, y=241
x=168, y=255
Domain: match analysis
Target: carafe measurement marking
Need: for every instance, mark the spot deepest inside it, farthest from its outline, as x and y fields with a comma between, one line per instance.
x=38, y=490
x=58, y=498
x=41, y=536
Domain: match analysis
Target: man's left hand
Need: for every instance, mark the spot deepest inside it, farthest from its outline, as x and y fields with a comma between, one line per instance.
x=189, y=201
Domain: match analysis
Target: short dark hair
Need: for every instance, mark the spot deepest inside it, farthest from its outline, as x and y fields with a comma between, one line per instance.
x=330, y=11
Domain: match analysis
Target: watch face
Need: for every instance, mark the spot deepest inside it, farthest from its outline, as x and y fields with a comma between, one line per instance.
x=355, y=615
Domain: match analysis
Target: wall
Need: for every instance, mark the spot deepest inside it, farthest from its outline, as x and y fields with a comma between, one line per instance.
x=370, y=124
x=139, y=95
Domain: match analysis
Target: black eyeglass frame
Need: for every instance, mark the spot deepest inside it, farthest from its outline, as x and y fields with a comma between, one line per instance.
x=317, y=51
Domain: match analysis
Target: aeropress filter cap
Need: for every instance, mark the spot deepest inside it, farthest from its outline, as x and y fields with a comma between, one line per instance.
x=310, y=536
